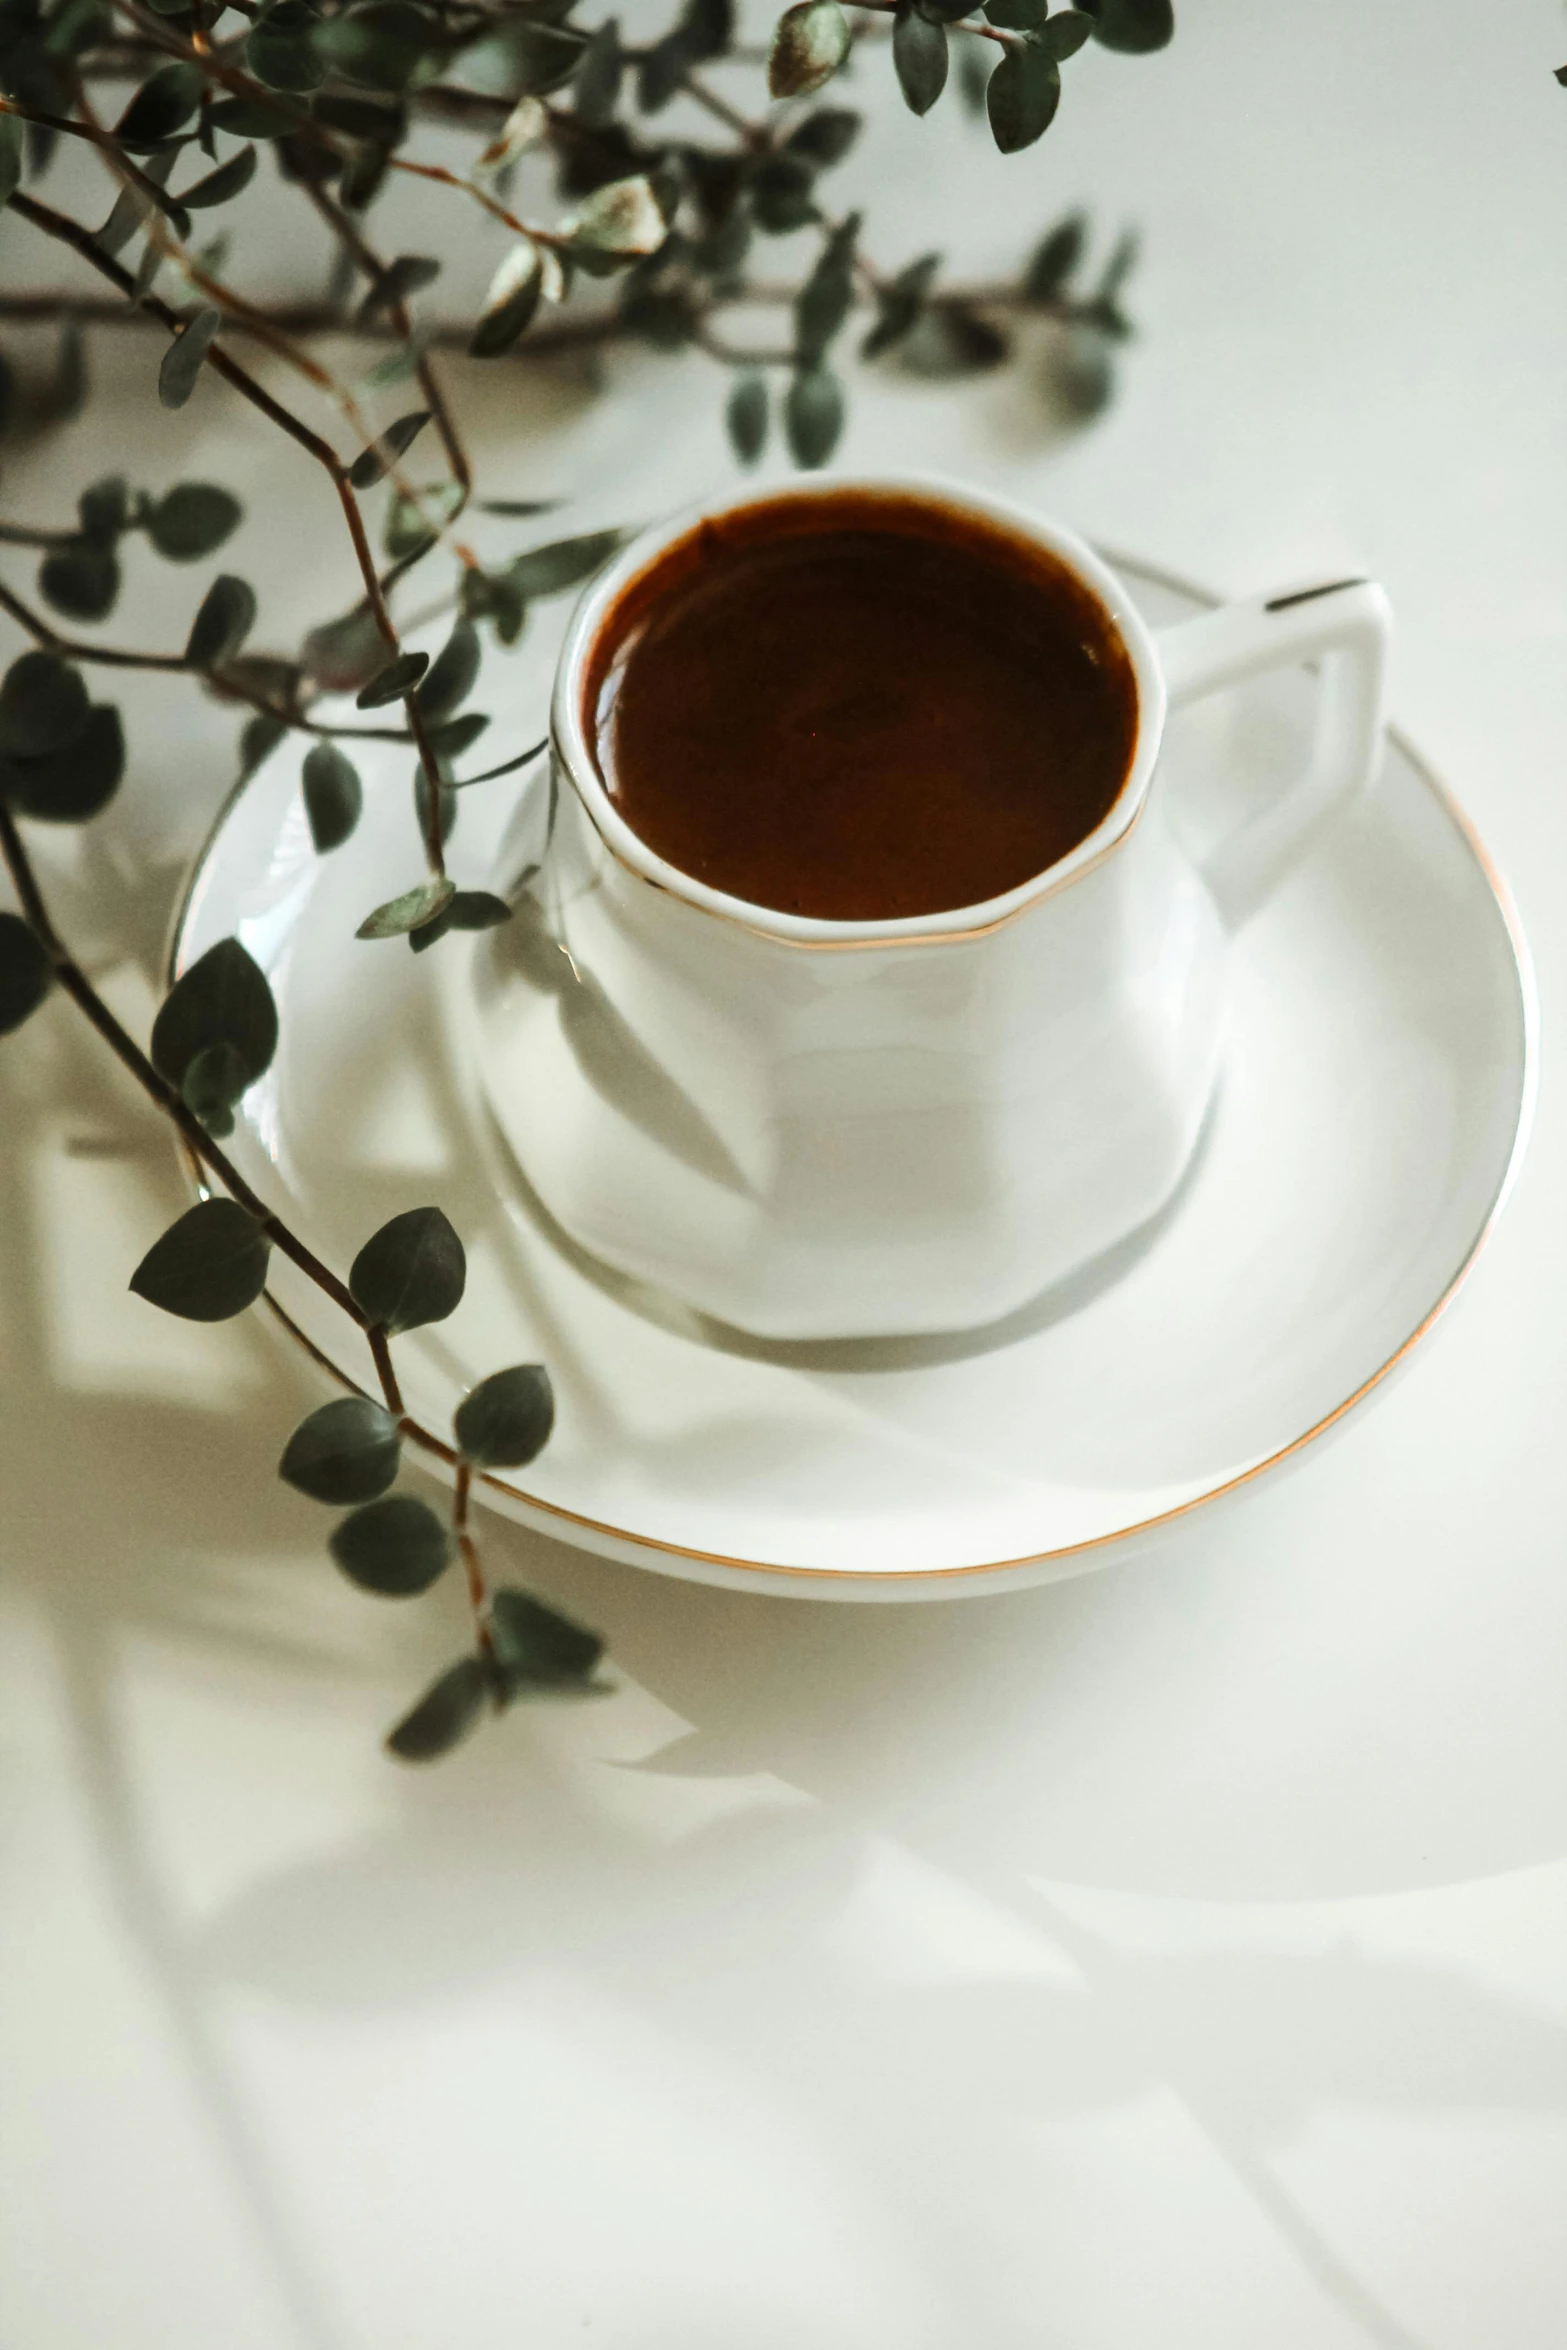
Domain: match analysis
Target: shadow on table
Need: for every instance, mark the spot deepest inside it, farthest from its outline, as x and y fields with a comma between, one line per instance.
x=996, y=1743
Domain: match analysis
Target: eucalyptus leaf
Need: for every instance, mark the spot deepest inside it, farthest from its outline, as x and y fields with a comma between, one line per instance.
x=409, y=274
x=1022, y=96
x=899, y=304
x=919, y=57
x=536, y=1648
x=191, y=520
x=810, y=42
x=390, y=684
x=411, y=526
x=623, y=218
x=514, y=296
x=43, y=706
x=746, y=416
x=396, y=1547
x=823, y=302
x=444, y=1716
x=470, y=909
x=370, y=466
x=1065, y=34
x=211, y=1086
x=223, y=998
x=81, y=579
x=506, y=1420
x=165, y=102
x=411, y=1272
x=224, y=618
x=1135, y=26
x=344, y=1451
x=383, y=46
x=281, y=49
x=345, y=653
x=813, y=415
x=563, y=563
x=259, y=738
x=26, y=973
x=210, y=1265
x=250, y=118
x=825, y=137
x=451, y=677
x=453, y=736
x=71, y=783
x=334, y=796
x=783, y=194
x=410, y=911
x=104, y=508
x=1055, y=258
x=596, y=83
x=221, y=186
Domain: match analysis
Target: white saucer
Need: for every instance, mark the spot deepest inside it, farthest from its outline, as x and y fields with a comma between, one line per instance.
x=1373, y=1109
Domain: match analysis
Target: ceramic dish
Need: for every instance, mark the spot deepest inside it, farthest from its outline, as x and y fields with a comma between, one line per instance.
x=1377, y=1077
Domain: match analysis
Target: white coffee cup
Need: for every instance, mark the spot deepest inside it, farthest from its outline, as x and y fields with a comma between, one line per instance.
x=813, y=1129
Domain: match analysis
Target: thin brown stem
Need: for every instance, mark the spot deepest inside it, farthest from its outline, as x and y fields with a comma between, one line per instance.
x=468, y=1550
x=381, y=1355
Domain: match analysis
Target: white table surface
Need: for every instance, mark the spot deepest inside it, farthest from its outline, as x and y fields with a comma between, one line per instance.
x=1174, y=1957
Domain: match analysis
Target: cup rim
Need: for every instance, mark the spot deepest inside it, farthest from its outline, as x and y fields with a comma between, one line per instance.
x=575, y=754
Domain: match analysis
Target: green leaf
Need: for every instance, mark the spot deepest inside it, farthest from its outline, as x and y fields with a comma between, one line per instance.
x=191, y=520
x=596, y=84
x=1134, y=26
x=68, y=785
x=783, y=195
x=281, y=50
x=208, y=1266
x=813, y=415
x=11, y=155
x=1082, y=371
x=224, y=618
x=470, y=909
x=411, y=526
x=1017, y=16
x=247, y=118
x=221, y=186
x=746, y=416
x=81, y=579
x=450, y=679
x=1055, y=258
x=1064, y=35
x=222, y=999
x=823, y=301
x=623, y=218
x=182, y=360
x=259, y=738
x=390, y=684
x=165, y=102
x=1022, y=96
x=949, y=340
x=809, y=44
x=825, y=137
x=104, y=508
x=342, y=654
x=382, y=46
x=26, y=973
x=43, y=705
x=212, y=1085
x=899, y=304
x=411, y=911
x=540, y=57
x=564, y=563
x=411, y=1272
x=505, y=1421
x=660, y=72
x=919, y=57
x=343, y=1452
x=333, y=796
x=409, y=274
x=396, y=1547
x=535, y=1647
x=453, y=736
x=707, y=27
x=514, y=296
x=371, y=464
x=444, y=1715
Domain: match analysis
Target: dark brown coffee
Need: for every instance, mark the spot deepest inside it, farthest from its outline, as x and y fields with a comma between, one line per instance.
x=859, y=706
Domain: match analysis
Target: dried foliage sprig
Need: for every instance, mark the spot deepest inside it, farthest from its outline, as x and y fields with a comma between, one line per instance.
x=650, y=191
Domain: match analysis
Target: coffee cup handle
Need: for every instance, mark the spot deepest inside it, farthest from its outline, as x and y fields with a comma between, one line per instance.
x=1344, y=629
